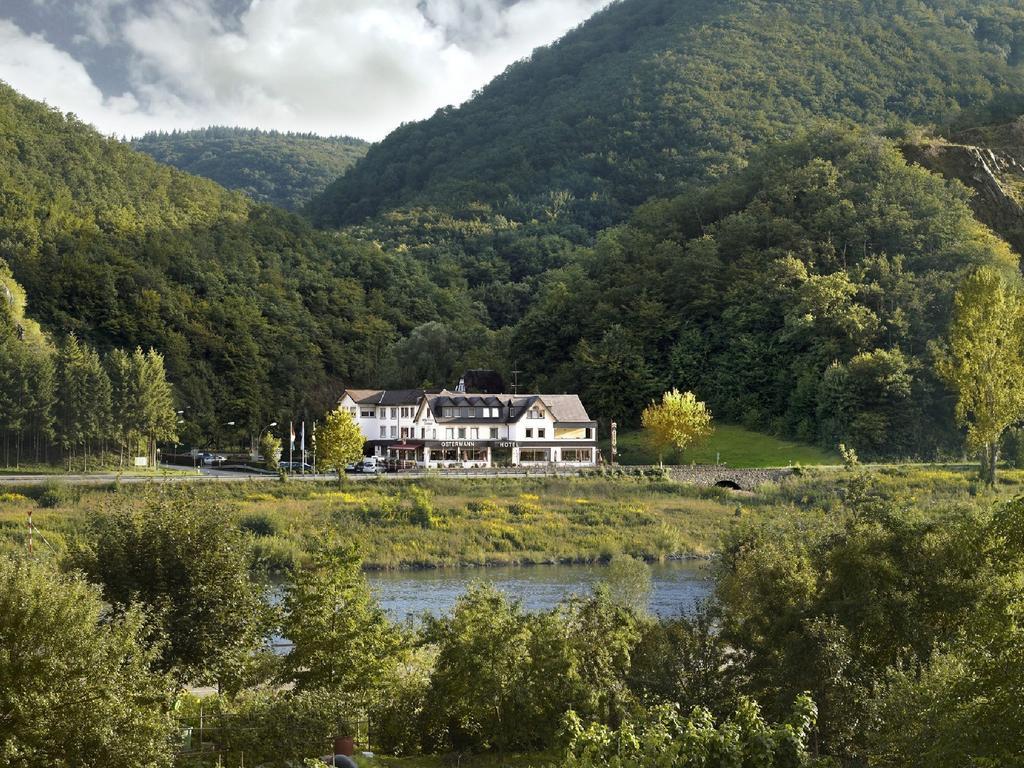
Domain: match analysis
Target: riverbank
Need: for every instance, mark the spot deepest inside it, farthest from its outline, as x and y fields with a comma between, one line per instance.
x=448, y=523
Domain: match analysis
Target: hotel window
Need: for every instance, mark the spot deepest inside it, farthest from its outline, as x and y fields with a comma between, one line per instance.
x=405, y=432
x=394, y=431
x=367, y=413
x=474, y=434
x=462, y=433
x=576, y=454
x=462, y=412
x=383, y=432
x=394, y=413
x=494, y=433
x=433, y=434
x=541, y=433
x=535, y=413
x=447, y=413
x=529, y=432
x=586, y=433
x=449, y=433
x=423, y=433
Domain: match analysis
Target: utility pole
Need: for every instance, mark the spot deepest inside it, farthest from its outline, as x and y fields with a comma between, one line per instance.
x=515, y=382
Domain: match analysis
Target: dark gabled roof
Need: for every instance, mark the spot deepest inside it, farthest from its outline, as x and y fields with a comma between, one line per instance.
x=400, y=396
x=483, y=381
x=564, y=408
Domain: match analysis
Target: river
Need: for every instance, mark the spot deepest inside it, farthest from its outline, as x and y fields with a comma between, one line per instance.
x=677, y=586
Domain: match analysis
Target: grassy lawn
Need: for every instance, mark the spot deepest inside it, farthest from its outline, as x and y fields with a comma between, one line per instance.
x=730, y=445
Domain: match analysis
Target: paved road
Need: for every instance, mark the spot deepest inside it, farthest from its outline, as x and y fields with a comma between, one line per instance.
x=208, y=474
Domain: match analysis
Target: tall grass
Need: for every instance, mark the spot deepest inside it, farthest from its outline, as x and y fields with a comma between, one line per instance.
x=445, y=522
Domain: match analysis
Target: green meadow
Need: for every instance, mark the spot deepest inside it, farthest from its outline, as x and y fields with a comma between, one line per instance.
x=731, y=445
x=439, y=522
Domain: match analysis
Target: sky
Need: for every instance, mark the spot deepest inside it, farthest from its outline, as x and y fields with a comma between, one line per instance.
x=333, y=67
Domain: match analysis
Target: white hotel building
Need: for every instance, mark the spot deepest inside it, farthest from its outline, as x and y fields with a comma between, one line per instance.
x=413, y=427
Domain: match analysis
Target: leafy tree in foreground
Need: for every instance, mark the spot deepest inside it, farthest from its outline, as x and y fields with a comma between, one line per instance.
x=664, y=739
x=474, y=697
x=183, y=557
x=677, y=422
x=344, y=642
x=833, y=611
x=339, y=441
x=983, y=361
x=628, y=581
x=964, y=707
x=75, y=686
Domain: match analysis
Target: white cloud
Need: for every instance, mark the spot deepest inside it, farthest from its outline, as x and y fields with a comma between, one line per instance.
x=358, y=67
x=32, y=66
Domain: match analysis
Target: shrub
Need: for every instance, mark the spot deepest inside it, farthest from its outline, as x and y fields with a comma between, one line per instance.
x=56, y=495
x=258, y=524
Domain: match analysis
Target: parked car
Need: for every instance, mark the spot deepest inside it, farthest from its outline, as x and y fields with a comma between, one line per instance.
x=295, y=466
x=373, y=466
x=354, y=467
x=210, y=459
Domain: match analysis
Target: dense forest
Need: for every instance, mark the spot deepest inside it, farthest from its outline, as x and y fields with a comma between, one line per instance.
x=798, y=297
x=282, y=169
x=651, y=94
x=257, y=315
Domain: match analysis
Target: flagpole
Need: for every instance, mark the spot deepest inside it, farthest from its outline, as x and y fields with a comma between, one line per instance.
x=302, y=446
x=291, y=445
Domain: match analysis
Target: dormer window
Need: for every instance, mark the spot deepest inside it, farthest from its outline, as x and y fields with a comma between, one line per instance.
x=535, y=413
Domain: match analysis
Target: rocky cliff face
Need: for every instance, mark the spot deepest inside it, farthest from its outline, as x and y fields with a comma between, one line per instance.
x=991, y=162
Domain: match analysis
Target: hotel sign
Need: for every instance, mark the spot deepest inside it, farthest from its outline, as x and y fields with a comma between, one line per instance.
x=477, y=444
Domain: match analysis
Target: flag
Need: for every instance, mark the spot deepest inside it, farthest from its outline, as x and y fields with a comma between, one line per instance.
x=291, y=428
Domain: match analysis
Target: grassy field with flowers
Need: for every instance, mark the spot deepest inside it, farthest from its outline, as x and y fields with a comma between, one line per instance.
x=439, y=522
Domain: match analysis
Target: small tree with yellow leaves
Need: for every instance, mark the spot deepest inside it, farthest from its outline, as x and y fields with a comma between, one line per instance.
x=677, y=422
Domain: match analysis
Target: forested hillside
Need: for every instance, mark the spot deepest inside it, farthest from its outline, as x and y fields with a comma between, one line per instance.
x=798, y=296
x=283, y=169
x=258, y=316
x=651, y=94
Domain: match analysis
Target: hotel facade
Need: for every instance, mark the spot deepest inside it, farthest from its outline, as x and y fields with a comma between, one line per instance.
x=416, y=428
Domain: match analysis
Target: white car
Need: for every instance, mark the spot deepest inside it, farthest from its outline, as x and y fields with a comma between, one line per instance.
x=372, y=466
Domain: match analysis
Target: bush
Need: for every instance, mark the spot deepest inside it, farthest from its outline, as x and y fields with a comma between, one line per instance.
x=258, y=525
x=56, y=495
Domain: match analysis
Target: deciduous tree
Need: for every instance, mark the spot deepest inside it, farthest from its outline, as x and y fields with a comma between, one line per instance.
x=677, y=422
x=75, y=684
x=339, y=441
x=983, y=361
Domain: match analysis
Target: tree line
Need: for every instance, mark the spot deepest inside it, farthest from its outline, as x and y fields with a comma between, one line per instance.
x=66, y=399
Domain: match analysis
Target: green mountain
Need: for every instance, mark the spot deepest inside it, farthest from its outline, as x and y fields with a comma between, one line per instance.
x=259, y=316
x=798, y=296
x=650, y=95
x=282, y=169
